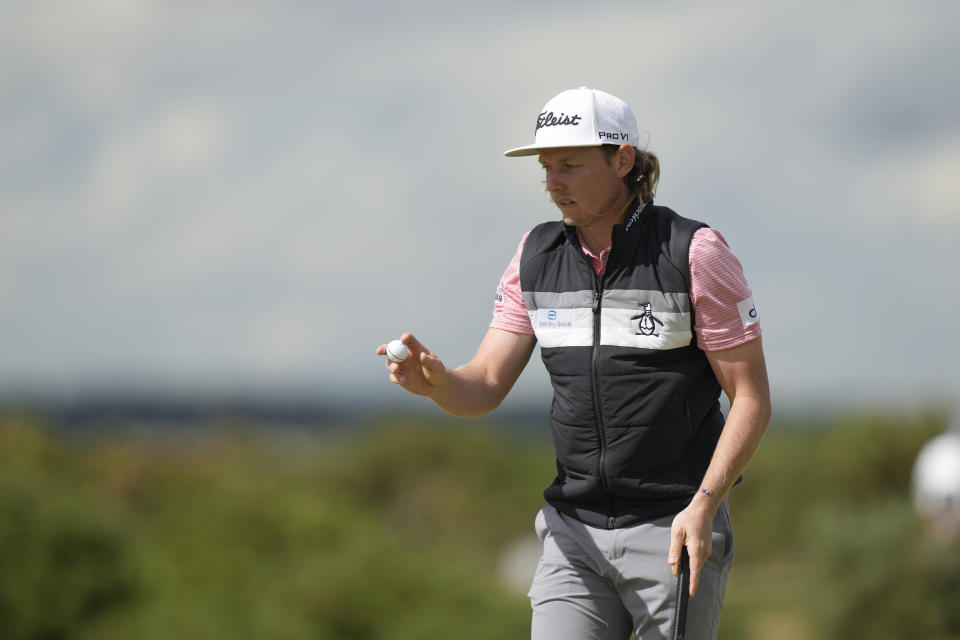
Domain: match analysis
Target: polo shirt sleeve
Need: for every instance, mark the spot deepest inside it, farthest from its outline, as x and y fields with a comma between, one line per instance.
x=725, y=315
x=509, y=310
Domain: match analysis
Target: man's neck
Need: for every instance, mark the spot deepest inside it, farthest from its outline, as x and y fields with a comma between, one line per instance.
x=596, y=239
x=599, y=235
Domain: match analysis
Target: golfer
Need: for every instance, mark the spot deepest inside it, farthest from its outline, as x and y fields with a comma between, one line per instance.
x=642, y=317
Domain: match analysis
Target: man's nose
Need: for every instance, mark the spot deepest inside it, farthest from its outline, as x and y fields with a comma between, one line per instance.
x=553, y=183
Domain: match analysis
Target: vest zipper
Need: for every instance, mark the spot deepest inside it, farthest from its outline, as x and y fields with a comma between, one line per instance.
x=595, y=382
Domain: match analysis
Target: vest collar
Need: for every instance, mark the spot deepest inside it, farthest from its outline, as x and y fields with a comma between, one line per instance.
x=631, y=222
x=636, y=208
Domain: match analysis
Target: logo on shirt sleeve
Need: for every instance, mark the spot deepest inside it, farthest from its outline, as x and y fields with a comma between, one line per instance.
x=498, y=301
x=748, y=312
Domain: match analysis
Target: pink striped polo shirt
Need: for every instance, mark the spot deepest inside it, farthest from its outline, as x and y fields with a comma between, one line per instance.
x=725, y=315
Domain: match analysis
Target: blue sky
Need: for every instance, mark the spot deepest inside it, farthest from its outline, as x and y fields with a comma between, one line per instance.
x=243, y=197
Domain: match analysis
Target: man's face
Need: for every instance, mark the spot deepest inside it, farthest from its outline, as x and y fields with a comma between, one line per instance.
x=584, y=184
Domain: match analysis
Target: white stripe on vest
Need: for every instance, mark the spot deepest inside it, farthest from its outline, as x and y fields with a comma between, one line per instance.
x=628, y=318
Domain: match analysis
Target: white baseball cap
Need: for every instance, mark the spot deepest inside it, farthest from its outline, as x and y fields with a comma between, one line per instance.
x=582, y=118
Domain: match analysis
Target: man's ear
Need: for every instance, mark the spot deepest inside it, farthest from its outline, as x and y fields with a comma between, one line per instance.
x=625, y=158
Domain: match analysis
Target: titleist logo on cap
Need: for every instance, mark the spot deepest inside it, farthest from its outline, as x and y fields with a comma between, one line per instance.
x=547, y=119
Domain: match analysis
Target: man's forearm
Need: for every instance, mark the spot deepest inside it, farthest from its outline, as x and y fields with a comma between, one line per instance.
x=479, y=386
x=467, y=393
x=745, y=426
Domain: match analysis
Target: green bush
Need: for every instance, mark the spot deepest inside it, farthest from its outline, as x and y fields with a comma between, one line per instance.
x=228, y=535
x=393, y=530
x=875, y=575
x=65, y=560
x=827, y=542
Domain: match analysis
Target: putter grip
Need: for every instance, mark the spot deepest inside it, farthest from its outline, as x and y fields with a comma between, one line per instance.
x=682, y=597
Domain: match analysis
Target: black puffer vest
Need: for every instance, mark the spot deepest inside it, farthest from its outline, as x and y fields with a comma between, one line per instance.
x=635, y=412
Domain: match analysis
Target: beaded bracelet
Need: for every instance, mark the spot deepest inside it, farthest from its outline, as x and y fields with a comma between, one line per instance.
x=706, y=493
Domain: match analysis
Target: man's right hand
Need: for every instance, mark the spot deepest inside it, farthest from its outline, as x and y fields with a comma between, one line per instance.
x=421, y=373
x=472, y=390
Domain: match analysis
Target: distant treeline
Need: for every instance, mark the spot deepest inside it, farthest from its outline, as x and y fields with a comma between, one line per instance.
x=394, y=529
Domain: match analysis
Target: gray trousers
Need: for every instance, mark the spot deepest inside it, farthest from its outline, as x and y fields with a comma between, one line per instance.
x=599, y=584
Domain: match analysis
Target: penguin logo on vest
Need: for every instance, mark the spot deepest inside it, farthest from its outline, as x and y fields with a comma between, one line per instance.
x=648, y=322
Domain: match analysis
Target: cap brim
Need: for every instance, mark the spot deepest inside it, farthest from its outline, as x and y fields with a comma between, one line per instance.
x=534, y=149
x=528, y=150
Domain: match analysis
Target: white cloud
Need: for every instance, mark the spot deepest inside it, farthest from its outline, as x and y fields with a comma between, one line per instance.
x=180, y=142
x=932, y=189
x=290, y=337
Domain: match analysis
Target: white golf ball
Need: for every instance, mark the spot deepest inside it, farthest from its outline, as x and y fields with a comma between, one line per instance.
x=397, y=351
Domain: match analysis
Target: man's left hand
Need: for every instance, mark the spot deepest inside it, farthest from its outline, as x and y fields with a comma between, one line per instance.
x=693, y=528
